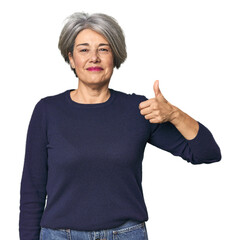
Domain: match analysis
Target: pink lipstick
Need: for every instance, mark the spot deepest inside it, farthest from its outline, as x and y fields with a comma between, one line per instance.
x=94, y=69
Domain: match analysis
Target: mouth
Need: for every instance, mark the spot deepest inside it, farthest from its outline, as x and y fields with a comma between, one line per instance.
x=94, y=69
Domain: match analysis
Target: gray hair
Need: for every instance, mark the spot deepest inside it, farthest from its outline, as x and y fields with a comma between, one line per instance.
x=101, y=23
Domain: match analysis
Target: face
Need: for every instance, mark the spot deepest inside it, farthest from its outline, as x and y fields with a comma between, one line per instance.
x=92, y=58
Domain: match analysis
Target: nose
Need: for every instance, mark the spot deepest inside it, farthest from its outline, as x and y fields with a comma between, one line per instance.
x=94, y=57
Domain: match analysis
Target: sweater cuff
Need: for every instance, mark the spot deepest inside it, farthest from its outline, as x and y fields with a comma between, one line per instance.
x=199, y=135
x=204, y=146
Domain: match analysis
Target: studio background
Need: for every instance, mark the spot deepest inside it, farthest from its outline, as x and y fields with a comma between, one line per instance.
x=191, y=47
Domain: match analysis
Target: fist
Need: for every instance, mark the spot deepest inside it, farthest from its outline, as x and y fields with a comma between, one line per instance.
x=158, y=109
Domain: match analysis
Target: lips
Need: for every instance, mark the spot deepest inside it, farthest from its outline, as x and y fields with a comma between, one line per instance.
x=94, y=69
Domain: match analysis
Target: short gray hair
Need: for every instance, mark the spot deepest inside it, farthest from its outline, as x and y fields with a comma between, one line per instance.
x=101, y=23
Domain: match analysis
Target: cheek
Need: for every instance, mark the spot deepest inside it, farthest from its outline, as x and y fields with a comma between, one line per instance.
x=79, y=63
x=110, y=63
x=109, y=68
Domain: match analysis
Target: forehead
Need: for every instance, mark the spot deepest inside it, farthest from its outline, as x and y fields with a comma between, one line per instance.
x=89, y=36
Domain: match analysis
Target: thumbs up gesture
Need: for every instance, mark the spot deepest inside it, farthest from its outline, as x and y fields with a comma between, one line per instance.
x=158, y=109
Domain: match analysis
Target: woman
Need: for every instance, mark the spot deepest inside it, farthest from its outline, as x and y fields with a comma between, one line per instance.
x=85, y=146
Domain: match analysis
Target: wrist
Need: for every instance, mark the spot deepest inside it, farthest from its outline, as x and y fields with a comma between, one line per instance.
x=176, y=116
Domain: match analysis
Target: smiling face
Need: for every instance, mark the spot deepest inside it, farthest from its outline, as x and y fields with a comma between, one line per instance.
x=92, y=58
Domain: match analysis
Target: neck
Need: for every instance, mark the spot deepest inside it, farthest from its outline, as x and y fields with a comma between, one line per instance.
x=90, y=95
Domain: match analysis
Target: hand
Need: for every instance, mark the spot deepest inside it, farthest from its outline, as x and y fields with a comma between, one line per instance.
x=158, y=109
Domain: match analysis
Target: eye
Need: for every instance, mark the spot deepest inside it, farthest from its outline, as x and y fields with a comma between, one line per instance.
x=103, y=49
x=83, y=50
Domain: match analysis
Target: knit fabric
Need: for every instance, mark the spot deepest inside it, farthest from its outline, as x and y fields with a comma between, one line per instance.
x=83, y=162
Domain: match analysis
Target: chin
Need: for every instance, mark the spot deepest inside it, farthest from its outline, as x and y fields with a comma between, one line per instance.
x=98, y=82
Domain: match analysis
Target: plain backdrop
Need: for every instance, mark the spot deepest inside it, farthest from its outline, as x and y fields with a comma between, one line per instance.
x=191, y=47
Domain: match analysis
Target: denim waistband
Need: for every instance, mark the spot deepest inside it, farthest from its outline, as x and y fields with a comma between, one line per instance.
x=127, y=224
x=135, y=230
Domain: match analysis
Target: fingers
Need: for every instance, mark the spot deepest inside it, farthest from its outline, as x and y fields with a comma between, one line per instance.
x=145, y=111
x=146, y=103
x=156, y=110
x=149, y=116
x=156, y=88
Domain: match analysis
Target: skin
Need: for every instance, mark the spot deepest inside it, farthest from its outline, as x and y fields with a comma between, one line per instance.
x=96, y=52
x=91, y=49
x=159, y=110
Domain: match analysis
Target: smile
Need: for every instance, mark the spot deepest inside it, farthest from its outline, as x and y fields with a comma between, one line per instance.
x=94, y=69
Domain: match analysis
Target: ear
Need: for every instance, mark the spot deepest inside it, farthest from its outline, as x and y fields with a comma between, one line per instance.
x=71, y=60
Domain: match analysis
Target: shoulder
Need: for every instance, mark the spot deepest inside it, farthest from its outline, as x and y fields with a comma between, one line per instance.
x=49, y=101
x=54, y=97
x=131, y=97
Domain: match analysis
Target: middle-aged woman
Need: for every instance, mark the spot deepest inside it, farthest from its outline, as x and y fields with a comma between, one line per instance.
x=85, y=146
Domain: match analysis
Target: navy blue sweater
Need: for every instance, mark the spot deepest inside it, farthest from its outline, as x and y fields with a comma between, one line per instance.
x=85, y=162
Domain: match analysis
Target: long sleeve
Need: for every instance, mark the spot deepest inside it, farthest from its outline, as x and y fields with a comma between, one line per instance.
x=34, y=176
x=76, y=155
x=202, y=149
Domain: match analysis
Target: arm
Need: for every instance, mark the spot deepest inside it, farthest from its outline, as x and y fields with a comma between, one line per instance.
x=185, y=124
x=202, y=149
x=34, y=176
x=176, y=132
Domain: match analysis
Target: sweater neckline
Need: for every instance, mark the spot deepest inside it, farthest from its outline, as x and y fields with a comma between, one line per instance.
x=90, y=105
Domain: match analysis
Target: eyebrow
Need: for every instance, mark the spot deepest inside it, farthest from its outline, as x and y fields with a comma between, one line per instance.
x=87, y=44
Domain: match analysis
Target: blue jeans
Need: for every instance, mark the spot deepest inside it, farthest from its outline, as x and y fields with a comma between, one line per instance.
x=131, y=230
